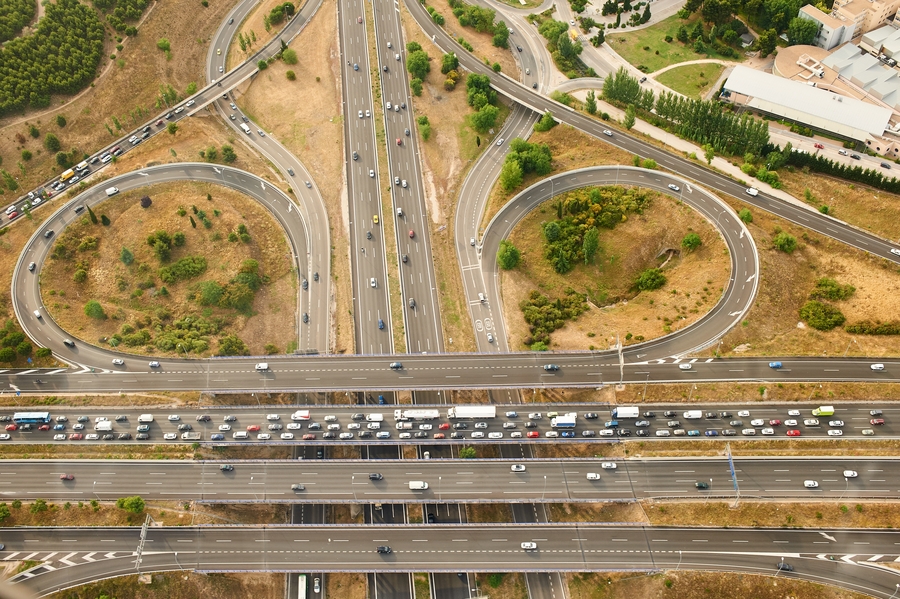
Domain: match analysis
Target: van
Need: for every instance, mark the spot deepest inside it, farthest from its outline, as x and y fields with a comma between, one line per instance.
x=111, y=191
x=374, y=417
x=418, y=485
x=481, y=298
x=241, y=435
x=144, y=418
x=37, y=313
x=262, y=366
x=693, y=414
x=752, y=191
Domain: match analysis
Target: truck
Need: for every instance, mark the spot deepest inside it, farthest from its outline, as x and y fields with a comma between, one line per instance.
x=374, y=417
x=625, y=412
x=145, y=418
x=823, y=411
x=191, y=436
x=472, y=412
x=66, y=175
x=564, y=420
x=245, y=128
x=300, y=415
x=401, y=426
x=693, y=414
x=416, y=414
x=103, y=427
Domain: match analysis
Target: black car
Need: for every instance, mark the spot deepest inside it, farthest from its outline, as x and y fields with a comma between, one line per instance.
x=358, y=416
x=203, y=418
x=226, y=467
x=431, y=519
x=784, y=567
x=701, y=485
x=420, y=435
x=711, y=415
x=724, y=414
x=365, y=434
x=124, y=436
x=591, y=415
x=121, y=418
x=551, y=367
x=623, y=432
x=375, y=476
x=142, y=437
x=185, y=427
x=383, y=549
x=460, y=426
x=670, y=413
x=329, y=435
x=643, y=433
x=649, y=414
x=314, y=426
x=530, y=424
x=588, y=433
x=455, y=435
x=108, y=437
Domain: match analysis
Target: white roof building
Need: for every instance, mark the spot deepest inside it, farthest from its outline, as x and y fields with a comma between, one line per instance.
x=808, y=105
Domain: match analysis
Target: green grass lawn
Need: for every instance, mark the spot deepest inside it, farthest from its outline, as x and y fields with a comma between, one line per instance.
x=660, y=53
x=692, y=80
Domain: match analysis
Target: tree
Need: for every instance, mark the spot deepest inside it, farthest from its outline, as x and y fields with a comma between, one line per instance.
x=60, y=121
x=650, y=279
x=228, y=155
x=821, y=316
x=417, y=64
x=4, y=511
x=126, y=256
x=546, y=123
x=7, y=354
x=709, y=153
x=766, y=42
x=39, y=505
x=629, y=117
x=784, y=242
x=802, y=31
x=717, y=12
x=232, y=345
x=449, y=62
x=92, y=216
x=501, y=35
x=172, y=128
x=24, y=349
x=511, y=175
x=682, y=35
x=289, y=56
x=551, y=231
x=691, y=242
x=51, y=142
x=590, y=103
x=134, y=504
x=94, y=310
x=485, y=118
x=162, y=251
x=508, y=255
x=646, y=16
x=465, y=453
x=262, y=65
x=590, y=244
x=745, y=215
x=415, y=85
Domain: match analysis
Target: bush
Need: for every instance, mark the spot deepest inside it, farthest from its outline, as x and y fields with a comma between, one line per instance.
x=93, y=309
x=546, y=123
x=869, y=327
x=508, y=255
x=232, y=345
x=43, y=352
x=830, y=289
x=467, y=453
x=650, y=279
x=24, y=349
x=820, y=316
x=291, y=75
x=7, y=354
x=691, y=242
x=51, y=142
x=545, y=315
x=784, y=242
x=186, y=268
x=134, y=504
x=745, y=215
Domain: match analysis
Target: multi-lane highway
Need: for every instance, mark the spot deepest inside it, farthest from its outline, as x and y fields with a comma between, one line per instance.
x=455, y=481
x=457, y=548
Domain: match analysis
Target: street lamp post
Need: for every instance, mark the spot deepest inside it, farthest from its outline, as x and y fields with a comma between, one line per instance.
x=679, y=561
x=895, y=592
x=353, y=482
x=846, y=487
x=545, y=488
x=440, y=478
x=779, y=566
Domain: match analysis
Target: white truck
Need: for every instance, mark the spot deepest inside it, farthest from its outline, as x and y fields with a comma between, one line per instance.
x=625, y=412
x=300, y=415
x=245, y=128
x=404, y=426
x=474, y=412
x=104, y=426
x=145, y=418
x=416, y=414
x=111, y=191
x=564, y=420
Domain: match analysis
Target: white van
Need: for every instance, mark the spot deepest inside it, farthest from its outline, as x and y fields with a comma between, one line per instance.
x=111, y=191
x=145, y=418
x=241, y=435
x=375, y=417
x=693, y=414
x=262, y=366
x=417, y=485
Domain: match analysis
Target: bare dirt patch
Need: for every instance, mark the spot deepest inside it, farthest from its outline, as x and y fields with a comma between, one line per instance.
x=786, y=280
x=346, y=585
x=131, y=294
x=184, y=585
x=502, y=585
x=695, y=279
x=305, y=115
x=849, y=514
x=486, y=513
x=684, y=584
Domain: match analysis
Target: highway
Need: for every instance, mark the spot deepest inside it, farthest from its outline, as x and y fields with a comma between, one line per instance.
x=453, y=481
x=456, y=548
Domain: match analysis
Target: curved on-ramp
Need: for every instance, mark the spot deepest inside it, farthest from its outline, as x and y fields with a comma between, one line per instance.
x=739, y=293
x=25, y=286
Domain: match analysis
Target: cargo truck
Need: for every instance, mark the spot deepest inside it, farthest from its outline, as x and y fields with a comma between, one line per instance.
x=564, y=420
x=68, y=174
x=416, y=414
x=823, y=411
x=625, y=412
x=418, y=485
x=472, y=412
x=693, y=414
x=374, y=417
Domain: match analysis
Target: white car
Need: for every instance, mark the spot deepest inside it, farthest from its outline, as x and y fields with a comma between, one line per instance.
x=836, y=423
x=744, y=413
x=528, y=546
x=345, y=436
x=272, y=417
x=495, y=435
x=101, y=419
x=330, y=418
x=354, y=426
x=607, y=132
x=674, y=187
x=476, y=435
x=287, y=436
x=662, y=433
x=334, y=426
x=170, y=436
x=360, y=114
x=409, y=435
x=811, y=484
x=91, y=437
x=551, y=434
x=174, y=417
x=835, y=432
x=500, y=142
x=481, y=425
x=373, y=426
x=608, y=432
x=758, y=422
x=850, y=474
x=388, y=105
x=372, y=173
x=593, y=476
x=515, y=435
x=685, y=366
x=294, y=426
x=877, y=366
x=811, y=422
x=793, y=412
x=608, y=465
x=224, y=427
x=5, y=437
x=263, y=437
x=790, y=422
x=367, y=114
x=424, y=427
x=517, y=468
x=748, y=432
x=118, y=362
x=373, y=283
x=768, y=431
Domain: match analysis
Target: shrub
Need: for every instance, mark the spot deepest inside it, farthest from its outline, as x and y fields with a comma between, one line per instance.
x=291, y=76
x=830, y=289
x=93, y=309
x=186, y=268
x=134, y=504
x=650, y=279
x=745, y=215
x=691, y=242
x=7, y=354
x=821, y=316
x=869, y=327
x=508, y=255
x=785, y=242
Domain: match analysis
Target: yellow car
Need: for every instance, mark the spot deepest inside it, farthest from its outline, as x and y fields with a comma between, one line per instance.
x=219, y=51
x=375, y=218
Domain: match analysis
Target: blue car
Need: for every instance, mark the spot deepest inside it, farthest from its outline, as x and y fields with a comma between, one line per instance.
x=217, y=437
x=380, y=323
x=694, y=433
x=775, y=365
x=381, y=401
x=59, y=427
x=567, y=434
x=712, y=433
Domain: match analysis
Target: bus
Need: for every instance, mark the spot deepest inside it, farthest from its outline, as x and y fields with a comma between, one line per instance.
x=301, y=586
x=31, y=417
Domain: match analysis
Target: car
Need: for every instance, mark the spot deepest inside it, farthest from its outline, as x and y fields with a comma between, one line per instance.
x=876, y=413
x=343, y=436
x=517, y=468
x=404, y=184
x=67, y=477
x=674, y=187
x=793, y=433
x=660, y=433
x=299, y=487
x=811, y=484
x=876, y=421
x=12, y=427
x=685, y=366
x=185, y=427
x=139, y=437
x=693, y=433
x=607, y=132
x=701, y=485
x=855, y=157
x=793, y=412
x=895, y=251
x=608, y=465
x=835, y=432
x=748, y=432
x=309, y=437
x=591, y=415
x=843, y=152
x=263, y=437
x=260, y=133
x=768, y=431
x=729, y=432
x=757, y=422
x=368, y=114
x=811, y=422
x=31, y=267
x=783, y=566
x=373, y=283
x=737, y=423
x=154, y=364
x=230, y=418
x=593, y=476
x=711, y=433
x=790, y=422
x=399, y=142
x=850, y=474
x=174, y=436
x=383, y=549
x=877, y=366
x=143, y=428
x=532, y=434
x=68, y=343
x=60, y=437
x=124, y=436
x=744, y=414
x=571, y=434
x=775, y=422
x=481, y=425
x=510, y=425
x=314, y=426
x=818, y=145
x=44, y=427
x=406, y=132
x=389, y=106
x=275, y=427
x=551, y=367
x=551, y=434
x=59, y=427
x=836, y=423
x=253, y=428
x=775, y=365
x=529, y=546
x=76, y=437
x=412, y=234
x=500, y=141
x=642, y=79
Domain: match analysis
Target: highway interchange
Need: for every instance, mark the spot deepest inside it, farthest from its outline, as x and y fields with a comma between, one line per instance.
x=651, y=362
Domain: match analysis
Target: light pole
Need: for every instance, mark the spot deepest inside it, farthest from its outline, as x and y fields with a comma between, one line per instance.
x=679, y=561
x=846, y=487
x=353, y=482
x=779, y=567
x=895, y=591
x=545, y=488
x=94, y=490
x=646, y=382
x=440, y=478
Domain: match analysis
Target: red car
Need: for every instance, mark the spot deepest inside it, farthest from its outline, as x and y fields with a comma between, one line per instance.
x=793, y=433
x=76, y=437
x=253, y=428
x=873, y=421
x=44, y=427
x=818, y=145
x=412, y=233
x=309, y=437
x=774, y=422
x=359, y=19
x=444, y=426
x=533, y=434
x=12, y=427
x=66, y=477
x=399, y=142
x=439, y=436
x=13, y=215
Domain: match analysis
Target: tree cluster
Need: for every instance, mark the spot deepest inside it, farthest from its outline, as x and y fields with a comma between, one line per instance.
x=12, y=343
x=60, y=58
x=122, y=10
x=821, y=164
x=14, y=15
x=524, y=158
x=828, y=289
x=564, y=51
x=545, y=315
x=417, y=61
x=277, y=15
x=508, y=255
x=821, y=316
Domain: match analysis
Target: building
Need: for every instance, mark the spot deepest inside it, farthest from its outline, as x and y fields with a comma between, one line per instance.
x=832, y=31
x=865, y=15
x=883, y=42
x=805, y=104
